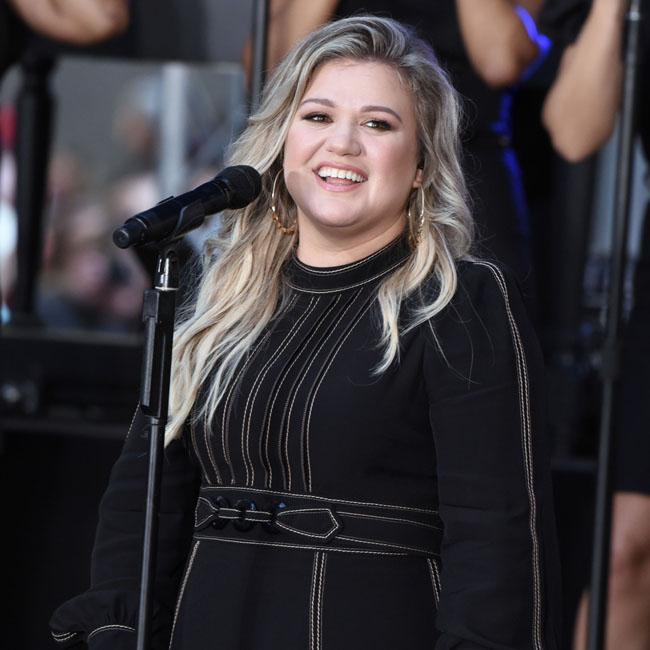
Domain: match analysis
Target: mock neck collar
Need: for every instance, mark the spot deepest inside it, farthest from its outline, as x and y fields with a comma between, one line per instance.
x=319, y=279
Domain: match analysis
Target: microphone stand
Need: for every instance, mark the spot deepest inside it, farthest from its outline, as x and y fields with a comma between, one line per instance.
x=260, y=38
x=610, y=370
x=158, y=316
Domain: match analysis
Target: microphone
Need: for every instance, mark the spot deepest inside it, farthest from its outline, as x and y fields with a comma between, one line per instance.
x=234, y=187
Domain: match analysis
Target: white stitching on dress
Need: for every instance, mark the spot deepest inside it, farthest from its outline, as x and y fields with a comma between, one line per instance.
x=285, y=418
x=344, y=268
x=126, y=628
x=369, y=540
x=312, y=599
x=269, y=479
x=312, y=401
x=190, y=564
x=208, y=448
x=316, y=601
x=60, y=637
x=436, y=571
x=300, y=547
x=225, y=418
x=195, y=444
x=397, y=519
x=524, y=409
x=434, y=581
x=332, y=329
x=319, y=605
x=332, y=500
x=352, y=286
x=252, y=395
x=292, y=529
x=128, y=431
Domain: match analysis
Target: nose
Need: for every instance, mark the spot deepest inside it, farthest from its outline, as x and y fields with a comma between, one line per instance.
x=343, y=140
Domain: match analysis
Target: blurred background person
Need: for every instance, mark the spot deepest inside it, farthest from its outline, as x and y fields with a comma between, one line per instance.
x=88, y=283
x=580, y=114
x=80, y=22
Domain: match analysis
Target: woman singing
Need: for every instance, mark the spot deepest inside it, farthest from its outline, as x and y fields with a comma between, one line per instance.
x=355, y=456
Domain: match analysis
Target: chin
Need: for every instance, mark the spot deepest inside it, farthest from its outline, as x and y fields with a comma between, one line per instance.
x=338, y=223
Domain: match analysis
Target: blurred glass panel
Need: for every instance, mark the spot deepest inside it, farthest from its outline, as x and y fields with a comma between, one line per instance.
x=126, y=135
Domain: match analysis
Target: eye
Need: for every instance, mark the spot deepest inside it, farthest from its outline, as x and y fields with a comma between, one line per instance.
x=380, y=125
x=317, y=117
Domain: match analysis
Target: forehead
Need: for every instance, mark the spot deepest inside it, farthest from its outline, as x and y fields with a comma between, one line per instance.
x=360, y=83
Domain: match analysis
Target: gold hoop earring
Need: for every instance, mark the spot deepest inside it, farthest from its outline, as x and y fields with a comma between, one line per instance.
x=417, y=238
x=287, y=230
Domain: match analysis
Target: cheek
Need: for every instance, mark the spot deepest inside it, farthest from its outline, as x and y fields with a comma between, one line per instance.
x=297, y=146
x=398, y=164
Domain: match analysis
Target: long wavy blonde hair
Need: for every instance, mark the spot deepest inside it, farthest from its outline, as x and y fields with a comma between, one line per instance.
x=241, y=287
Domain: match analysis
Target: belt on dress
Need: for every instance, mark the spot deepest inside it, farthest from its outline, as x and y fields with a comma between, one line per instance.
x=267, y=517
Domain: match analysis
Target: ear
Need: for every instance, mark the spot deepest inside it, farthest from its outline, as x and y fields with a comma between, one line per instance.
x=417, y=181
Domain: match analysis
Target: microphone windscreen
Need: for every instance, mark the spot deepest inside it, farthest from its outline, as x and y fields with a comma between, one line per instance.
x=245, y=184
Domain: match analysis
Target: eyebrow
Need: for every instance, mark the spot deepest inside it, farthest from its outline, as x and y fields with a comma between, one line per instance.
x=364, y=109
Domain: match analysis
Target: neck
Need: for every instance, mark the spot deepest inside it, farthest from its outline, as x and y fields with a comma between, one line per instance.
x=317, y=248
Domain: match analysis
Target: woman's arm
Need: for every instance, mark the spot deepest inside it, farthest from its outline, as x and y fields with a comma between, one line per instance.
x=581, y=106
x=485, y=382
x=105, y=616
x=500, y=37
x=82, y=22
x=290, y=20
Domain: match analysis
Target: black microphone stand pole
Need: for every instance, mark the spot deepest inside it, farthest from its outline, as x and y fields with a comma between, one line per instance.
x=260, y=39
x=602, y=522
x=158, y=316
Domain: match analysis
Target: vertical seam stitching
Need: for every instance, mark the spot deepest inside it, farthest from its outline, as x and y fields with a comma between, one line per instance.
x=319, y=610
x=312, y=401
x=182, y=589
x=268, y=412
x=434, y=583
x=248, y=414
x=312, y=601
x=225, y=420
x=304, y=375
x=195, y=444
x=209, y=449
x=524, y=411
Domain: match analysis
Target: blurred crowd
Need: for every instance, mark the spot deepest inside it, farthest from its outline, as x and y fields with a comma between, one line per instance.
x=85, y=281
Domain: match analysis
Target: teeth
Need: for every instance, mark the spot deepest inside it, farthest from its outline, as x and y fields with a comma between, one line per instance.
x=333, y=172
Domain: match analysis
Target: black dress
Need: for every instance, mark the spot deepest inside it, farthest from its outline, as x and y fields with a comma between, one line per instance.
x=340, y=509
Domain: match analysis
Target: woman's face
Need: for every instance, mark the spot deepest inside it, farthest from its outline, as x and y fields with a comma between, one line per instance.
x=351, y=157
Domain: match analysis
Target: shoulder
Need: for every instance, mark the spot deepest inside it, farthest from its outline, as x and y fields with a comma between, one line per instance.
x=487, y=284
x=484, y=327
x=482, y=287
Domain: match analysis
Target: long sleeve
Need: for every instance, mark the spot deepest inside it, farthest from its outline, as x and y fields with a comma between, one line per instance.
x=484, y=377
x=105, y=616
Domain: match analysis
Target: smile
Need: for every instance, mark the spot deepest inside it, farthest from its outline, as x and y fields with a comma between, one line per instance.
x=344, y=174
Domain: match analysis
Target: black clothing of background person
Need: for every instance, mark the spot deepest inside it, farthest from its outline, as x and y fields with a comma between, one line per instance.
x=633, y=430
x=388, y=497
x=499, y=205
x=13, y=35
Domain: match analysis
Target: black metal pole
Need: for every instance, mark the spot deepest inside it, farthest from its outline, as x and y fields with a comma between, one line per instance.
x=596, y=626
x=158, y=317
x=33, y=138
x=260, y=37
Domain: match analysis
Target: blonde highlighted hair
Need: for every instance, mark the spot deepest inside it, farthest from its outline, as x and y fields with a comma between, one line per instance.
x=241, y=287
